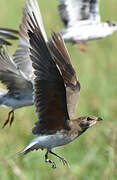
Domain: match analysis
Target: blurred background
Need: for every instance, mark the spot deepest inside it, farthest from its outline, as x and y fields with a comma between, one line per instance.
x=92, y=156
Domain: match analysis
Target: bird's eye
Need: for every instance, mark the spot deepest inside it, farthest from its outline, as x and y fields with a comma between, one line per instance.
x=89, y=119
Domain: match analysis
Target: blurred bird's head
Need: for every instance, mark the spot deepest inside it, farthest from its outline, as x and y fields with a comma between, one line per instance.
x=87, y=121
x=112, y=24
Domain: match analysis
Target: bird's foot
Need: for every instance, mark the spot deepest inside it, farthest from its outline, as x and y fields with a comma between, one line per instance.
x=10, y=119
x=65, y=162
x=51, y=162
x=76, y=45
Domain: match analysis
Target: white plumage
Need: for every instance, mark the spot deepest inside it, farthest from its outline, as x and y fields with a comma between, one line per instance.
x=82, y=21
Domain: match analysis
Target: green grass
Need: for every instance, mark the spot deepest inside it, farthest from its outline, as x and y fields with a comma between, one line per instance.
x=93, y=156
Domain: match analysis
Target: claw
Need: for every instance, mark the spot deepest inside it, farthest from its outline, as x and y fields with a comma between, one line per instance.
x=65, y=162
x=50, y=161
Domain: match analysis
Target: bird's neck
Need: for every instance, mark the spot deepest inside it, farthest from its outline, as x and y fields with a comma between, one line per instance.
x=75, y=128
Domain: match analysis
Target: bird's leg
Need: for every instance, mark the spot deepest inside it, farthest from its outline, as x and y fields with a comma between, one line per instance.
x=65, y=162
x=10, y=118
x=50, y=161
x=79, y=48
x=84, y=43
x=76, y=45
x=7, y=121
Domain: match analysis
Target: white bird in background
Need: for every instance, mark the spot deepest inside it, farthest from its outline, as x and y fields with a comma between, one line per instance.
x=17, y=73
x=20, y=89
x=82, y=21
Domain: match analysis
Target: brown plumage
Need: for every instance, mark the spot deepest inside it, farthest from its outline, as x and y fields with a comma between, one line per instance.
x=63, y=60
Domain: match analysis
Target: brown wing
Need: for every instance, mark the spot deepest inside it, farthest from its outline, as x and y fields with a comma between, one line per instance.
x=63, y=60
x=50, y=93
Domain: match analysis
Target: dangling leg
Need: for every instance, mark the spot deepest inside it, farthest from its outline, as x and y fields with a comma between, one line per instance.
x=84, y=43
x=61, y=158
x=50, y=161
x=76, y=45
x=10, y=118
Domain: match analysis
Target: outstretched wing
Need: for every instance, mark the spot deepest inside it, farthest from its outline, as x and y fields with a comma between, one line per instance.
x=10, y=75
x=21, y=56
x=6, y=34
x=74, y=11
x=50, y=93
x=94, y=10
x=63, y=60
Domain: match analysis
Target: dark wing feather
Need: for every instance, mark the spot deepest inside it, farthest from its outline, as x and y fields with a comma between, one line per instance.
x=73, y=11
x=63, y=60
x=50, y=93
x=21, y=56
x=94, y=10
x=10, y=75
x=6, y=34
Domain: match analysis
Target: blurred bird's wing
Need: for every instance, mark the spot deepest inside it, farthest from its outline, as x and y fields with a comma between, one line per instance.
x=21, y=56
x=49, y=88
x=74, y=11
x=63, y=61
x=94, y=10
x=6, y=34
x=13, y=78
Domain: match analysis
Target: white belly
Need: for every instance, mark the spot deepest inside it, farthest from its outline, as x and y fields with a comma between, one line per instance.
x=47, y=142
x=86, y=32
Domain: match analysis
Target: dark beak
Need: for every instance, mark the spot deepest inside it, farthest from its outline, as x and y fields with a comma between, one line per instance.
x=99, y=119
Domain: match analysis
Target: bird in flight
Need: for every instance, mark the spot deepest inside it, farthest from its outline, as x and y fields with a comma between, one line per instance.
x=83, y=22
x=17, y=73
x=6, y=34
x=56, y=91
x=19, y=87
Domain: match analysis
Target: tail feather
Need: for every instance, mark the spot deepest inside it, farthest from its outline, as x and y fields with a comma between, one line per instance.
x=33, y=145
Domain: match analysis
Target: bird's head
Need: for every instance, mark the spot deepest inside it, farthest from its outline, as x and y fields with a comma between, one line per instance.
x=112, y=23
x=87, y=121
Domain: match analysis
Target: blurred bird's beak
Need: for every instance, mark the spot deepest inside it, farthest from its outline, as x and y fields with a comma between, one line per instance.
x=100, y=119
